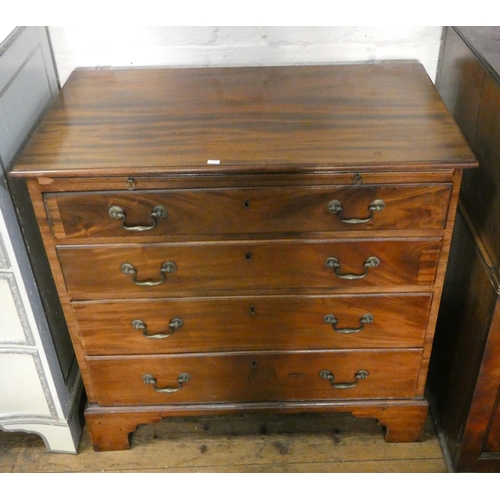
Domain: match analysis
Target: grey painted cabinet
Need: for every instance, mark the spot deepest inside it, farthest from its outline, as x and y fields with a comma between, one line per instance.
x=40, y=384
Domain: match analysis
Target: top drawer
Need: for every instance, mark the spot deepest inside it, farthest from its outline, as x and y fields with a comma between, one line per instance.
x=257, y=210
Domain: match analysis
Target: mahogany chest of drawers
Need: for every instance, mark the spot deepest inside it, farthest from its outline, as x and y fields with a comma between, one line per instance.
x=248, y=239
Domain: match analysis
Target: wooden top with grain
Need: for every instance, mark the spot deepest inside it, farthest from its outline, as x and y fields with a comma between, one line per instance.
x=274, y=119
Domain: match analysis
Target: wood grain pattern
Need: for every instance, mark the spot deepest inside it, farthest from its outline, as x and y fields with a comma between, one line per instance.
x=401, y=419
x=492, y=445
x=252, y=323
x=464, y=376
x=129, y=122
x=249, y=443
x=459, y=81
x=481, y=192
x=231, y=269
x=254, y=377
x=464, y=380
x=205, y=180
x=245, y=161
x=245, y=211
x=477, y=445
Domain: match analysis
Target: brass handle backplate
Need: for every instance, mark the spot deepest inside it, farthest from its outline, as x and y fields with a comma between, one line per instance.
x=328, y=375
x=181, y=380
x=166, y=268
x=332, y=320
x=118, y=213
x=333, y=263
x=335, y=207
x=174, y=325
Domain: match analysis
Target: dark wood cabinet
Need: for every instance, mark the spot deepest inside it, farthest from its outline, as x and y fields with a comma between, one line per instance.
x=249, y=239
x=464, y=375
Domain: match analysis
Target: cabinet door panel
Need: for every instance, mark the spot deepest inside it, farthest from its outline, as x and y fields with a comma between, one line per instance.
x=459, y=82
x=481, y=187
x=21, y=389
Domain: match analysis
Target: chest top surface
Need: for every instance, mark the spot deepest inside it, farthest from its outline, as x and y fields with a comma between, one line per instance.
x=245, y=119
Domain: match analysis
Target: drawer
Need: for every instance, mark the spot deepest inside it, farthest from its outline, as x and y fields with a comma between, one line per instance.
x=254, y=377
x=257, y=210
x=232, y=268
x=252, y=323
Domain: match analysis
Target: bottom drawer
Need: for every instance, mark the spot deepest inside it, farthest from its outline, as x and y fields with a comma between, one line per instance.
x=156, y=380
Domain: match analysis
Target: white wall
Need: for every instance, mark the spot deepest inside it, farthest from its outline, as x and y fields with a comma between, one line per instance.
x=5, y=31
x=175, y=46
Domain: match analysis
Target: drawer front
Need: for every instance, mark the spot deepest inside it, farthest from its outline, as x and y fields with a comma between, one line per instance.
x=258, y=210
x=214, y=269
x=254, y=377
x=253, y=323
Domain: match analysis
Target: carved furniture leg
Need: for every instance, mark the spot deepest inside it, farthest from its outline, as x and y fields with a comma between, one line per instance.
x=111, y=431
x=404, y=424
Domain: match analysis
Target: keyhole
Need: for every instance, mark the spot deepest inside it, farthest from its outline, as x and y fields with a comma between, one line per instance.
x=252, y=310
x=357, y=179
x=246, y=203
x=248, y=256
x=254, y=364
x=131, y=184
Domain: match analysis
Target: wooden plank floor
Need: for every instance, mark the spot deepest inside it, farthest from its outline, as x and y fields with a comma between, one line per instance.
x=250, y=443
